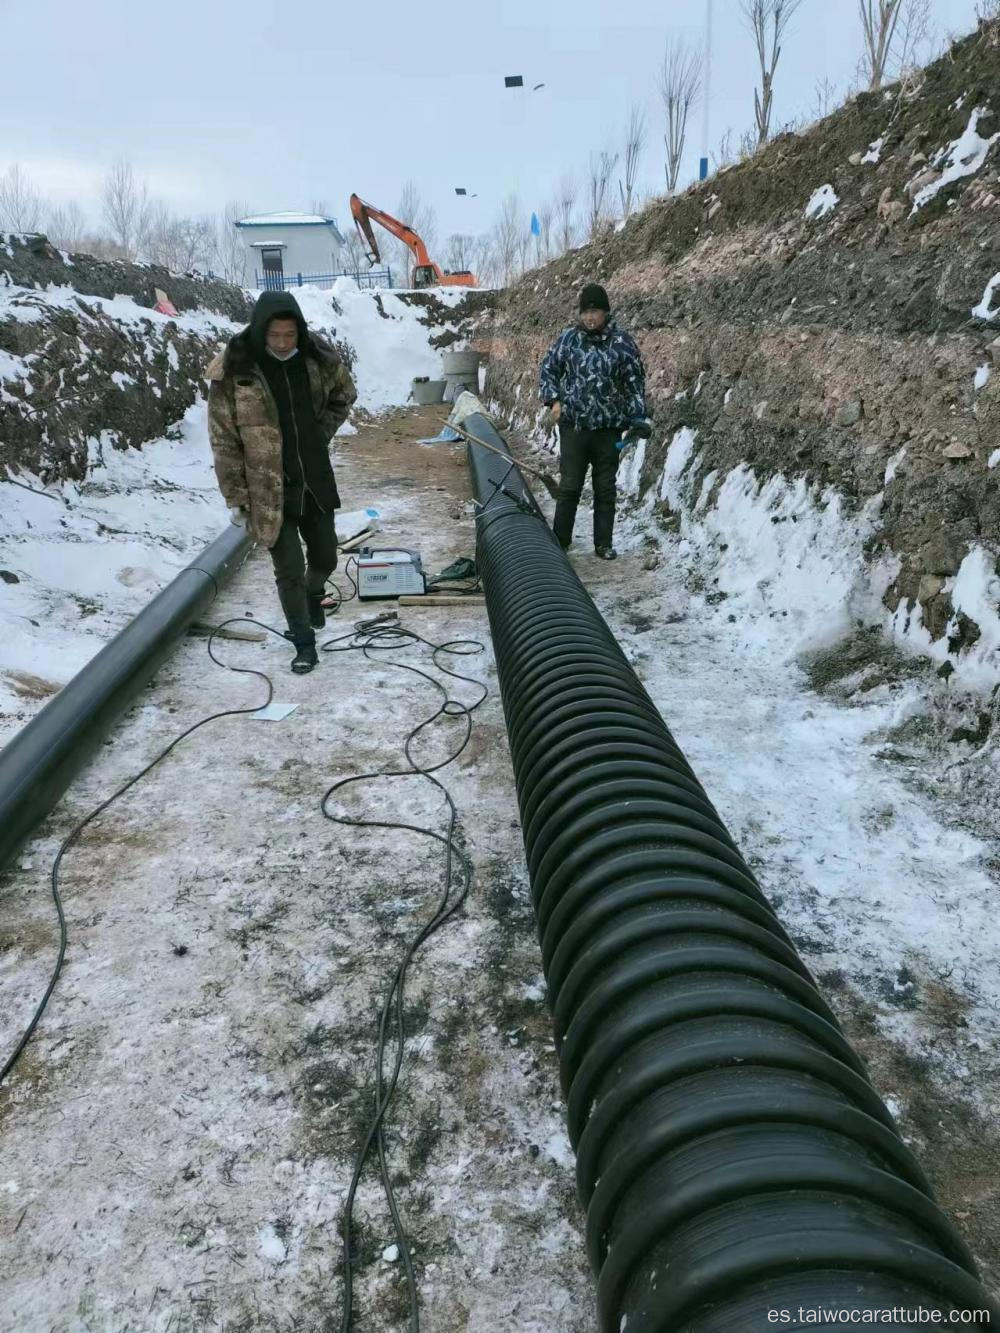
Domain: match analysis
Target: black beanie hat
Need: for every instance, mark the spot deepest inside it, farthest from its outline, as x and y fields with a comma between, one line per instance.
x=594, y=297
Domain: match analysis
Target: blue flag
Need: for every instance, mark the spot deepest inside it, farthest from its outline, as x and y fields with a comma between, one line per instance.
x=536, y=229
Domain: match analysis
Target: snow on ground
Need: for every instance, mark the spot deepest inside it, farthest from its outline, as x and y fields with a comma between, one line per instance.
x=385, y=330
x=761, y=581
x=962, y=158
x=87, y=557
x=823, y=201
x=179, y=1137
x=985, y=309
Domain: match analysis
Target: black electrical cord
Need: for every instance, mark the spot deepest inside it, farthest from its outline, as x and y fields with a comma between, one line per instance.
x=373, y=636
x=341, y=599
x=79, y=828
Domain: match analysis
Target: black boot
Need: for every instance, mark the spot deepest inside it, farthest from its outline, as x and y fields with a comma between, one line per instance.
x=317, y=616
x=605, y=553
x=305, y=659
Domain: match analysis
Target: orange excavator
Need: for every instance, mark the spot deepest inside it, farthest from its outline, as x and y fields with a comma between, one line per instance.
x=425, y=272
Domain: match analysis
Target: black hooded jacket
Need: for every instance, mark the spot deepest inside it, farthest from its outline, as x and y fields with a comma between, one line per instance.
x=305, y=458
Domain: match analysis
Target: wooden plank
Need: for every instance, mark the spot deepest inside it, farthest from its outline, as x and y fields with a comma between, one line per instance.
x=248, y=635
x=353, y=543
x=440, y=599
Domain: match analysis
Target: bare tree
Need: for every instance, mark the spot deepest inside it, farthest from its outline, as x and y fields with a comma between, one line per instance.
x=546, y=216
x=768, y=21
x=229, y=255
x=355, y=256
x=508, y=234
x=988, y=11
x=412, y=210
x=486, y=261
x=635, y=142
x=66, y=226
x=914, y=36
x=565, y=204
x=21, y=205
x=825, y=99
x=602, y=166
x=894, y=32
x=680, y=85
x=879, y=21
x=460, y=251
x=127, y=208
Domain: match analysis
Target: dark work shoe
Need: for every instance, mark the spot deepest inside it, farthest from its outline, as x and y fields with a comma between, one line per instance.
x=605, y=553
x=305, y=659
x=317, y=616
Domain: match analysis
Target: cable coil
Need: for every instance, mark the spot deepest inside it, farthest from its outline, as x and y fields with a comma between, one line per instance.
x=732, y=1156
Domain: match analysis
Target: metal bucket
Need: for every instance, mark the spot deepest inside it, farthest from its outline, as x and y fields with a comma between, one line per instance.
x=424, y=392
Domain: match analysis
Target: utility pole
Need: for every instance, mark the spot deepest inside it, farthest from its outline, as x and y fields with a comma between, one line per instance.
x=706, y=92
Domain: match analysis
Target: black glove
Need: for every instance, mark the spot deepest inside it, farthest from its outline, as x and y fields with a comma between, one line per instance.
x=639, y=430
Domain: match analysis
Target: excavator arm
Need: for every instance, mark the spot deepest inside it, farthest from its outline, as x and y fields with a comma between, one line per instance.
x=365, y=214
x=425, y=272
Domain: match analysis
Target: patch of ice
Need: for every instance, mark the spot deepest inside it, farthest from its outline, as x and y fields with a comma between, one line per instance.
x=823, y=201
x=985, y=309
x=270, y=1244
x=893, y=465
x=874, y=152
x=678, y=457
x=982, y=376
x=631, y=470
x=993, y=459
x=964, y=157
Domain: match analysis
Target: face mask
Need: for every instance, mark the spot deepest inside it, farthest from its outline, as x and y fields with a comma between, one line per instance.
x=287, y=357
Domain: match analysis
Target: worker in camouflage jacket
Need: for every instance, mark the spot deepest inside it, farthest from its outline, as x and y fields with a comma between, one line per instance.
x=277, y=395
x=593, y=383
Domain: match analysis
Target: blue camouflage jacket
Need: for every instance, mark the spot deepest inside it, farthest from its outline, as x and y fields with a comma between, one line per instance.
x=598, y=377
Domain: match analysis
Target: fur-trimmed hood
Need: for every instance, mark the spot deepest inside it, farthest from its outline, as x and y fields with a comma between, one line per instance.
x=243, y=351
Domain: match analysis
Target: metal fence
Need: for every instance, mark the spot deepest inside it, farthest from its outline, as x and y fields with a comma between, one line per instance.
x=279, y=282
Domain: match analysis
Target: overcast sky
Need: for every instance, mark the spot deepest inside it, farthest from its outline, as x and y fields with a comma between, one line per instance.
x=284, y=104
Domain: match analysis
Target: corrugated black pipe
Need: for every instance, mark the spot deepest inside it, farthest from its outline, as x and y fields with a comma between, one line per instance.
x=732, y=1156
x=41, y=761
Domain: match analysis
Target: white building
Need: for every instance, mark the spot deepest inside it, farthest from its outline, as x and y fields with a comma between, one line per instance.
x=287, y=249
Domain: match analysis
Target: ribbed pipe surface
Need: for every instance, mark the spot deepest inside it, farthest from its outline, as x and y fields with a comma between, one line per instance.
x=732, y=1156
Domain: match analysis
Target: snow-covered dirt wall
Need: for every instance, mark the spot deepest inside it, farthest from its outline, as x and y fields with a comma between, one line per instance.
x=820, y=327
x=106, y=480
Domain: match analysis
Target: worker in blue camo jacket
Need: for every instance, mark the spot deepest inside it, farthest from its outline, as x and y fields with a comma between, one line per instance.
x=593, y=383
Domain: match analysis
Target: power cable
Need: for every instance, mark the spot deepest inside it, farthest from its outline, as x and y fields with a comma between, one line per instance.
x=368, y=637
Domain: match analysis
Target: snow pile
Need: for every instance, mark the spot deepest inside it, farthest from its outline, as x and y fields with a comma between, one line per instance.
x=985, y=309
x=874, y=153
x=824, y=201
x=964, y=157
x=78, y=562
x=31, y=305
x=787, y=561
x=389, y=335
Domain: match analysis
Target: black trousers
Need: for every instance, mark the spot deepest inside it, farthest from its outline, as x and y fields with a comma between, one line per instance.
x=296, y=578
x=578, y=450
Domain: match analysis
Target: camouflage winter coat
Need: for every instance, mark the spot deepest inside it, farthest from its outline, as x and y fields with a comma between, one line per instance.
x=243, y=425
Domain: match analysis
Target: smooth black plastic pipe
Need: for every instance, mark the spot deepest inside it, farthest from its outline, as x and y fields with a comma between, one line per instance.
x=41, y=761
x=732, y=1155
